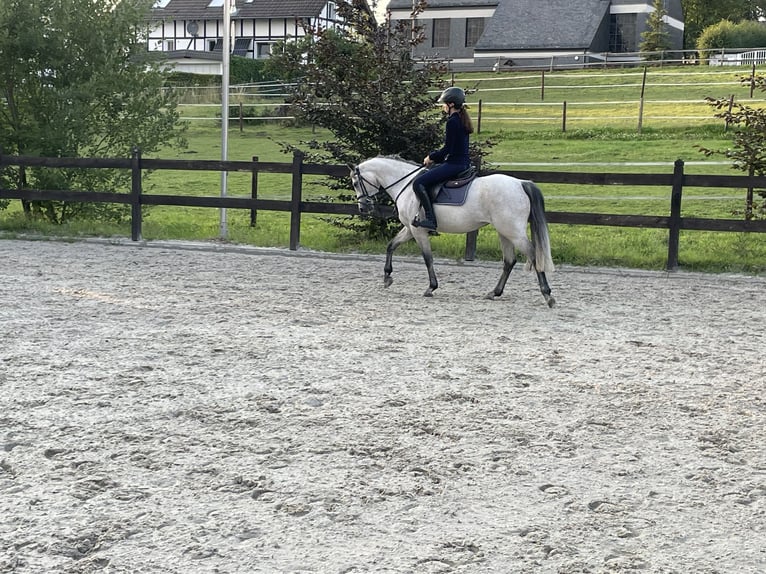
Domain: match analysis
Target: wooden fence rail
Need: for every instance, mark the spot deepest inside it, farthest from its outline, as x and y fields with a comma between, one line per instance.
x=677, y=181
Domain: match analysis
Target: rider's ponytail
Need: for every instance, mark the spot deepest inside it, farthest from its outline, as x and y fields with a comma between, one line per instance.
x=465, y=117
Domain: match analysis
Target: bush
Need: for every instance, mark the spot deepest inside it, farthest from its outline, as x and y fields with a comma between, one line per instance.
x=249, y=71
x=726, y=34
x=241, y=71
x=189, y=80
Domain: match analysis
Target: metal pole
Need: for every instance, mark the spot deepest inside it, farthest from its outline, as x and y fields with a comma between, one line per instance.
x=225, y=107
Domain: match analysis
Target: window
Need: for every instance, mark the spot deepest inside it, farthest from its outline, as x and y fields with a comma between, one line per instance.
x=440, y=37
x=215, y=3
x=241, y=46
x=263, y=50
x=622, y=33
x=474, y=28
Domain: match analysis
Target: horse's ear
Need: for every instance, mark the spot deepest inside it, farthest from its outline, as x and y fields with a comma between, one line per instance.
x=351, y=166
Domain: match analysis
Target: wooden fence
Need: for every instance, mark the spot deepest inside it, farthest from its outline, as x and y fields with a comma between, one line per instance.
x=677, y=181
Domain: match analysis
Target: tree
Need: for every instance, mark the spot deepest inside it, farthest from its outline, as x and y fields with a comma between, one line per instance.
x=699, y=14
x=726, y=34
x=361, y=83
x=656, y=38
x=748, y=152
x=76, y=80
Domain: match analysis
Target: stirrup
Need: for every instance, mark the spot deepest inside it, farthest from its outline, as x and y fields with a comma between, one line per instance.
x=425, y=224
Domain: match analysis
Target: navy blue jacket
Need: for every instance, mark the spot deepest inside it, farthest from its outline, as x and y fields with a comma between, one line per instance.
x=455, y=149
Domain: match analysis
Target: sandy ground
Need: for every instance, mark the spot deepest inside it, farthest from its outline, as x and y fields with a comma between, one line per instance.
x=177, y=408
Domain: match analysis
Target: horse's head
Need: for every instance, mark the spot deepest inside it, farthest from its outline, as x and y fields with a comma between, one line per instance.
x=365, y=190
x=382, y=174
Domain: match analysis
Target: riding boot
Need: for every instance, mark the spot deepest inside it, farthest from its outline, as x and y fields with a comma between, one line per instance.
x=429, y=221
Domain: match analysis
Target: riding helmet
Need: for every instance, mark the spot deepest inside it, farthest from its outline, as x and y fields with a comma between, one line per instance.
x=452, y=96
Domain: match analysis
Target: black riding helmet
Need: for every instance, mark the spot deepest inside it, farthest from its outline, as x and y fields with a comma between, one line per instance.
x=454, y=96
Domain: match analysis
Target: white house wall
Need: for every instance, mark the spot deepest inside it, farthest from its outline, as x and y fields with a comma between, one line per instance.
x=210, y=30
x=645, y=9
x=445, y=13
x=197, y=67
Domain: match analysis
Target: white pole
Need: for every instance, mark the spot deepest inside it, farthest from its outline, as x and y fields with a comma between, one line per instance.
x=225, y=54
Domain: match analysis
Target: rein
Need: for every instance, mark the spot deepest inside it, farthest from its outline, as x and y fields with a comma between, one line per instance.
x=380, y=188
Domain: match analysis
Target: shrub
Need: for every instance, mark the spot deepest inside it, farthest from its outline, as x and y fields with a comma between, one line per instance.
x=726, y=34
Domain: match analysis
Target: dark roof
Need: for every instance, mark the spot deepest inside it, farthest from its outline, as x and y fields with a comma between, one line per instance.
x=436, y=4
x=191, y=54
x=198, y=9
x=543, y=24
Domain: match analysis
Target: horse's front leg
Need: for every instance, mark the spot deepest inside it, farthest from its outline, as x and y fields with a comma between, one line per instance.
x=403, y=236
x=425, y=247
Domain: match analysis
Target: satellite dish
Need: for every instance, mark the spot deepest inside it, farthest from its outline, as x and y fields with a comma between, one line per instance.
x=192, y=28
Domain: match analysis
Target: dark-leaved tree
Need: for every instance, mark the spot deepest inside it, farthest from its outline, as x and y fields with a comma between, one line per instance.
x=362, y=84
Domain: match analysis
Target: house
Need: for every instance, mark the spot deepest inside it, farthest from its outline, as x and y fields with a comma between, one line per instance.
x=488, y=34
x=190, y=32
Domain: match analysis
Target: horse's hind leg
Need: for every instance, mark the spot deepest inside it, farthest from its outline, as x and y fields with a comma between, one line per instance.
x=545, y=289
x=509, y=260
x=402, y=237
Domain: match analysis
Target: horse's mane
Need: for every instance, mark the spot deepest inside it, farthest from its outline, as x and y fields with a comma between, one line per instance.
x=397, y=157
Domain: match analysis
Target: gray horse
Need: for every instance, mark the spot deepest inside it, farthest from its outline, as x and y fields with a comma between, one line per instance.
x=502, y=201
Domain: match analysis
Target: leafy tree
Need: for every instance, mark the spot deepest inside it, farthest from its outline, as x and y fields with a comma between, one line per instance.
x=656, y=38
x=699, y=14
x=76, y=80
x=361, y=83
x=748, y=152
x=726, y=34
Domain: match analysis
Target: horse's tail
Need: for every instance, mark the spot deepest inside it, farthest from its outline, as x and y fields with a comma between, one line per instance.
x=539, y=227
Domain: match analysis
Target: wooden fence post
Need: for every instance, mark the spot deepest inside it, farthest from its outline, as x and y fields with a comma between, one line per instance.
x=295, y=200
x=752, y=81
x=135, y=195
x=470, y=245
x=478, y=120
x=564, y=117
x=731, y=107
x=749, y=195
x=254, y=190
x=675, y=215
x=641, y=103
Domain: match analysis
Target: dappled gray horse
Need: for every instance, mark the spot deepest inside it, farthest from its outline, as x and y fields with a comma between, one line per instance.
x=502, y=201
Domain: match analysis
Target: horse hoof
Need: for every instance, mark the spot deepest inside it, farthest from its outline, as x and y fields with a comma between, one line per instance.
x=551, y=301
x=428, y=293
x=387, y=281
x=490, y=296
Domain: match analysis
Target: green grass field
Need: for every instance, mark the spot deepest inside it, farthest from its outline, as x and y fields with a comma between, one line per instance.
x=672, y=95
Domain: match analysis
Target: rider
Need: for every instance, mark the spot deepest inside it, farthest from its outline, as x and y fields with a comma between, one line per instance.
x=452, y=157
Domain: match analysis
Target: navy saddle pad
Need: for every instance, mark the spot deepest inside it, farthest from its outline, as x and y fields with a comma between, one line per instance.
x=454, y=191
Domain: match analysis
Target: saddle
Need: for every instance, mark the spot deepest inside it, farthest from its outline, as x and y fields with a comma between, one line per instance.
x=454, y=191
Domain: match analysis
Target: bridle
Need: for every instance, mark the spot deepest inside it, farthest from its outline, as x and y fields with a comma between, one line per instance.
x=370, y=196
